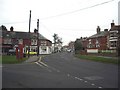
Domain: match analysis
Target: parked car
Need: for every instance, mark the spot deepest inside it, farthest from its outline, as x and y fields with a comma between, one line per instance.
x=31, y=53
x=69, y=50
x=11, y=52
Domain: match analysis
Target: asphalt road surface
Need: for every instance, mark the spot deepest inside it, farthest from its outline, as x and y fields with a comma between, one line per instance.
x=0, y=76
x=60, y=70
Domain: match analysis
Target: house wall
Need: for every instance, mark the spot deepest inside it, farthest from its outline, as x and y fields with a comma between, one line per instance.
x=45, y=49
x=26, y=43
x=92, y=50
x=102, y=42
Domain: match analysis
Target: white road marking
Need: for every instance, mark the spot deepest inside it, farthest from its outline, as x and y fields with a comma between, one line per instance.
x=99, y=87
x=85, y=81
x=92, y=84
x=39, y=59
x=44, y=64
x=76, y=78
x=80, y=79
x=68, y=75
x=58, y=71
x=38, y=64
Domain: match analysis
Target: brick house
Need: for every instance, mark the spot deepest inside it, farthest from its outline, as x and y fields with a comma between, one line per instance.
x=9, y=39
x=113, y=36
x=98, y=41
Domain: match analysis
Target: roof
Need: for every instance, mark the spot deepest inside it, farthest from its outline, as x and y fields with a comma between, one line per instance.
x=20, y=35
x=100, y=34
x=116, y=27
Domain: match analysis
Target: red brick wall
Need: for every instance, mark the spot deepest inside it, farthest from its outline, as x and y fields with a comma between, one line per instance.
x=1, y=40
x=26, y=42
x=102, y=42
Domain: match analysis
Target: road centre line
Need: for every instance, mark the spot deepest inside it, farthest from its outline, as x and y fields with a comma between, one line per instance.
x=86, y=81
x=99, y=87
x=92, y=84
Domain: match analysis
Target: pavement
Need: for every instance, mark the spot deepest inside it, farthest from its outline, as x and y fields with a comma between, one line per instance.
x=32, y=59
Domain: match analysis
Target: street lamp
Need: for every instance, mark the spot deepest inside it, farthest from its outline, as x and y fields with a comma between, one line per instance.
x=29, y=34
x=37, y=37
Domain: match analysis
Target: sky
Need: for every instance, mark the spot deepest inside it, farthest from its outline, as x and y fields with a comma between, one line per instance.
x=70, y=19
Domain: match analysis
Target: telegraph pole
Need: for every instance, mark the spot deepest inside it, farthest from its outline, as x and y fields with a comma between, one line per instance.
x=38, y=37
x=29, y=34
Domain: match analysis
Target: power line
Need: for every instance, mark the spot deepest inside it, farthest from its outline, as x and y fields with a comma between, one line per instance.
x=67, y=13
x=63, y=14
x=16, y=22
x=45, y=27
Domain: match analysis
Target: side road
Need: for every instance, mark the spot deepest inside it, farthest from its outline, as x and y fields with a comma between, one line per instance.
x=32, y=59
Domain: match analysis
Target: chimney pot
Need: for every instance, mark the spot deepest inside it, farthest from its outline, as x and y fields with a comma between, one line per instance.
x=112, y=24
x=11, y=28
x=98, y=29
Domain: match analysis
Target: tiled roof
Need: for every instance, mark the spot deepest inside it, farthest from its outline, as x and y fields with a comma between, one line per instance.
x=20, y=35
x=116, y=27
x=100, y=34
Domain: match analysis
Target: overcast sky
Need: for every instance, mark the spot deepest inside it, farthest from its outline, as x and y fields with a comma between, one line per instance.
x=70, y=19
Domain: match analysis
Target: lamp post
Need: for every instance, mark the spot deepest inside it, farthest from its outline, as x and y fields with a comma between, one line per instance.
x=29, y=34
x=38, y=37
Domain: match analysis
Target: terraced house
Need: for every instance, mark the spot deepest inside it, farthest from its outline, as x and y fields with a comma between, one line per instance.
x=106, y=40
x=113, y=36
x=103, y=41
x=98, y=41
x=9, y=39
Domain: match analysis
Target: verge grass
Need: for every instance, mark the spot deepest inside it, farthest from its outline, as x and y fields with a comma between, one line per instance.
x=98, y=59
x=5, y=59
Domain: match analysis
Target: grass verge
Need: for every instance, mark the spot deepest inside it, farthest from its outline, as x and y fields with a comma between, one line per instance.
x=98, y=59
x=10, y=59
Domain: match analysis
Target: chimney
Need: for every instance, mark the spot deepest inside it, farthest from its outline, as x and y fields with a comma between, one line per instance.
x=112, y=24
x=105, y=30
x=11, y=28
x=98, y=29
x=35, y=31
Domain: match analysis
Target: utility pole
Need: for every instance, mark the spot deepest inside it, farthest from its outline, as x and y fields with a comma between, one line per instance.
x=38, y=37
x=29, y=34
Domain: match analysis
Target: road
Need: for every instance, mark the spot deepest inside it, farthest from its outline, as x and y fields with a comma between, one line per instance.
x=0, y=76
x=60, y=70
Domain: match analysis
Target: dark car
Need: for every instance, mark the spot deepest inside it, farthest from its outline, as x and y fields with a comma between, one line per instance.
x=11, y=52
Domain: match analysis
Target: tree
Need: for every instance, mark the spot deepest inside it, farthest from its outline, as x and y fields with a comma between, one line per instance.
x=57, y=43
x=3, y=28
x=78, y=46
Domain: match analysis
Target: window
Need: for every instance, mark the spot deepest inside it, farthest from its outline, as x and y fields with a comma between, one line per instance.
x=7, y=41
x=97, y=43
x=34, y=42
x=43, y=49
x=20, y=41
x=113, y=44
x=43, y=43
